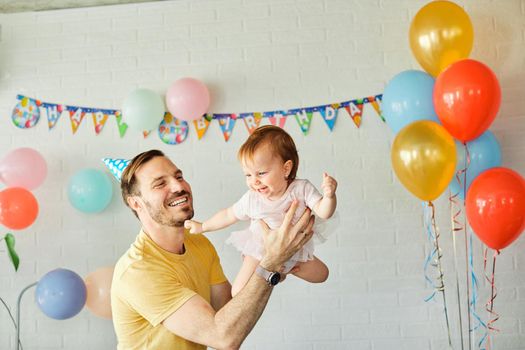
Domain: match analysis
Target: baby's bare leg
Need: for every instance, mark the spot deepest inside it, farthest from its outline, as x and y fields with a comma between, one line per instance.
x=249, y=264
x=314, y=271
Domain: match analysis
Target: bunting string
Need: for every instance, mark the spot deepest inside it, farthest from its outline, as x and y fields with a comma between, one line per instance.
x=171, y=130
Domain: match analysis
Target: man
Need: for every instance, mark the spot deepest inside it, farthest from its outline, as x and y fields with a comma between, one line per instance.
x=169, y=290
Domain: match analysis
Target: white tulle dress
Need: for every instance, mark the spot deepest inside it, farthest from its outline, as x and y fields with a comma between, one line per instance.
x=252, y=206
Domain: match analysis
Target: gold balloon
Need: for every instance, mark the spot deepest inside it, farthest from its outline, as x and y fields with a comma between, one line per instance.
x=440, y=34
x=424, y=158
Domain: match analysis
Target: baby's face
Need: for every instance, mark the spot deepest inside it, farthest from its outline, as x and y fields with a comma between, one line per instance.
x=266, y=173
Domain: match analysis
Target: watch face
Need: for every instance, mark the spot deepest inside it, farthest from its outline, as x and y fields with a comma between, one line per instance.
x=275, y=278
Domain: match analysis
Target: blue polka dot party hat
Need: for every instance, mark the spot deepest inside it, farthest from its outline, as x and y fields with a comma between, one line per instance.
x=116, y=166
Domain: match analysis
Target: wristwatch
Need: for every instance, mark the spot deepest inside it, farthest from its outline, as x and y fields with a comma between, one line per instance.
x=272, y=278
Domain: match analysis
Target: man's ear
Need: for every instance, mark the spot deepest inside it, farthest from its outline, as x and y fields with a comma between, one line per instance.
x=133, y=203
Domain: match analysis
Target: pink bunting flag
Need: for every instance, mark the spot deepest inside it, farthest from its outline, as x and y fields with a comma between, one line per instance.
x=276, y=119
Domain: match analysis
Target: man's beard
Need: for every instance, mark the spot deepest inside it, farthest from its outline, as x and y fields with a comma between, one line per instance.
x=161, y=217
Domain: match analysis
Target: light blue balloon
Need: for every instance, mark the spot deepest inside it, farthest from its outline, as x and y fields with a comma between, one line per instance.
x=143, y=110
x=484, y=153
x=407, y=98
x=61, y=294
x=90, y=190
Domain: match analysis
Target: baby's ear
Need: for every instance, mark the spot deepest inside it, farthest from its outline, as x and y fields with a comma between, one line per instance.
x=288, y=167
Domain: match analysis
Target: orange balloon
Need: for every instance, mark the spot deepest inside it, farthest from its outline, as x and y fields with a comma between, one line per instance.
x=424, y=158
x=18, y=208
x=467, y=97
x=495, y=206
x=98, y=285
x=440, y=34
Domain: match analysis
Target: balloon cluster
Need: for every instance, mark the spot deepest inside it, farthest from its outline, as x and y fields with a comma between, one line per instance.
x=21, y=170
x=186, y=99
x=61, y=293
x=458, y=98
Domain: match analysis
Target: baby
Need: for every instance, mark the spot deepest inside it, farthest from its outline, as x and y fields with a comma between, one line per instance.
x=269, y=160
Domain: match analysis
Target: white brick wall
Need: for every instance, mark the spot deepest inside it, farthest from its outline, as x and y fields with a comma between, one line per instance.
x=256, y=56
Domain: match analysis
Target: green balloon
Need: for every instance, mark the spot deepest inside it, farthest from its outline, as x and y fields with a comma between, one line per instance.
x=143, y=110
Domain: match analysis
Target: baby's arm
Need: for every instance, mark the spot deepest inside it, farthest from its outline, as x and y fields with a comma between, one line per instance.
x=325, y=208
x=223, y=218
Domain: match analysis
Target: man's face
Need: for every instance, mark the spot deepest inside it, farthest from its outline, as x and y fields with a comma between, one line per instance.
x=164, y=193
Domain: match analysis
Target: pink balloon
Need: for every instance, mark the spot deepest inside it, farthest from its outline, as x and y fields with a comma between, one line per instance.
x=98, y=285
x=23, y=167
x=188, y=99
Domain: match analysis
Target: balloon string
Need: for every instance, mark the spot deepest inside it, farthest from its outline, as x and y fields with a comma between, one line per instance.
x=489, y=306
x=469, y=310
x=441, y=285
x=475, y=286
x=432, y=252
x=455, y=228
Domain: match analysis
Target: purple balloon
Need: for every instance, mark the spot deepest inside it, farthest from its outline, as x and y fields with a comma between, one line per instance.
x=61, y=294
x=23, y=167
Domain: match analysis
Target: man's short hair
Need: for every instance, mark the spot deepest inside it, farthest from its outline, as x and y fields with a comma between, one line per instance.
x=128, y=180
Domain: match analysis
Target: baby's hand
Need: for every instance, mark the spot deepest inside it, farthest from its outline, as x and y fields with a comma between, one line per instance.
x=329, y=186
x=195, y=227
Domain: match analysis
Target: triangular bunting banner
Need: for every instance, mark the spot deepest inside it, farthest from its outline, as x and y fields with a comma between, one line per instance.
x=252, y=121
x=276, y=118
x=304, y=119
x=329, y=114
x=76, y=117
x=99, y=120
x=226, y=122
x=201, y=126
x=355, y=111
x=28, y=111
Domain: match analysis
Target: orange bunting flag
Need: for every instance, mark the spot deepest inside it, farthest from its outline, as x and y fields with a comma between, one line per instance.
x=76, y=117
x=355, y=111
x=252, y=121
x=201, y=126
x=376, y=103
x=99, y=120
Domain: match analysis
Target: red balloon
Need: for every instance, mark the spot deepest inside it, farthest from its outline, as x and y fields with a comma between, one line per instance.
x=18, y=208
x=495, y=206
x=467, y=97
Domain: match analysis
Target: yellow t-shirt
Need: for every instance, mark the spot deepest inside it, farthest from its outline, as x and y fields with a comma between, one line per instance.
x=150, y=283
